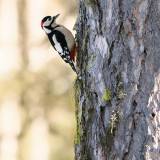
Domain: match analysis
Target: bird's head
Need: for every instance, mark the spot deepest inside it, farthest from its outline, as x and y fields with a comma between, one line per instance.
x=48, y=21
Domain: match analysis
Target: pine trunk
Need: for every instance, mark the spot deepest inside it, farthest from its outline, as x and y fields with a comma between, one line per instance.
x=118, y=97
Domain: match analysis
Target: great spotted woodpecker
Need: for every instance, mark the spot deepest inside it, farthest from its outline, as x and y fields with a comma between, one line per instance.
x=61, y=39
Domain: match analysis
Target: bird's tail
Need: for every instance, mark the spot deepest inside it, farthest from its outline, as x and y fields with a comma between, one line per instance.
x=73, y=66
x=75, y=70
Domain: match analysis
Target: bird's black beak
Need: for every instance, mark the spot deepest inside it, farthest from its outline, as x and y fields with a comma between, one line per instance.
x=55, y=17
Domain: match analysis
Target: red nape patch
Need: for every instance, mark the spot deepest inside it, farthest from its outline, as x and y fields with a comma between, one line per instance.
x=73, y=53
x=42, y=25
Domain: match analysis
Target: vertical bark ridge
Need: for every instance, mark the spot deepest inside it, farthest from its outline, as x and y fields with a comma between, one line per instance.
x=119, y=58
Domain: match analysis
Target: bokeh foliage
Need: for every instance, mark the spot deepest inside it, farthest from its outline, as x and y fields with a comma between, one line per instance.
x=39, y=100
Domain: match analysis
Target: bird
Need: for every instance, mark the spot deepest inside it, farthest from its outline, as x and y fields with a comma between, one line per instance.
x=61, y=39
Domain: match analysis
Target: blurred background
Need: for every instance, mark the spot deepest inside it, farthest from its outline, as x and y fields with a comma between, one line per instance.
x=37, y=117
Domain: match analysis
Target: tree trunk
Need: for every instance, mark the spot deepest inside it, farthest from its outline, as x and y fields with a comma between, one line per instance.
x=118, y=97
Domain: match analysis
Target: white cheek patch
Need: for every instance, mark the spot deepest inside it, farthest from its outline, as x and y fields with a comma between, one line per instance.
x=47, y=22
x=57, y=45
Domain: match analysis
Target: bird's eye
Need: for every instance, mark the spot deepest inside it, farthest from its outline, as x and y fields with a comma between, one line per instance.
x=49, y=18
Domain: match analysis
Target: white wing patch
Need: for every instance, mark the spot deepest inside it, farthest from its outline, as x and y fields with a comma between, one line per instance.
x=57, y=45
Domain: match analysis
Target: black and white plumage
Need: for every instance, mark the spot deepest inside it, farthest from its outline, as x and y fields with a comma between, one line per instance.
x=61, y=39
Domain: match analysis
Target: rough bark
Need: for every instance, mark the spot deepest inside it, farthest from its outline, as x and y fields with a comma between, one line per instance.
x=118, y=98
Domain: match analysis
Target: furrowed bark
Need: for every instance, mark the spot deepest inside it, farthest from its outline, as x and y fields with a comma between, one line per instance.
x=118, y=98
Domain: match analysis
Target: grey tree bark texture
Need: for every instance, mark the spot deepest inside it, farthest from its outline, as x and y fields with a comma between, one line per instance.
x=118, y=98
